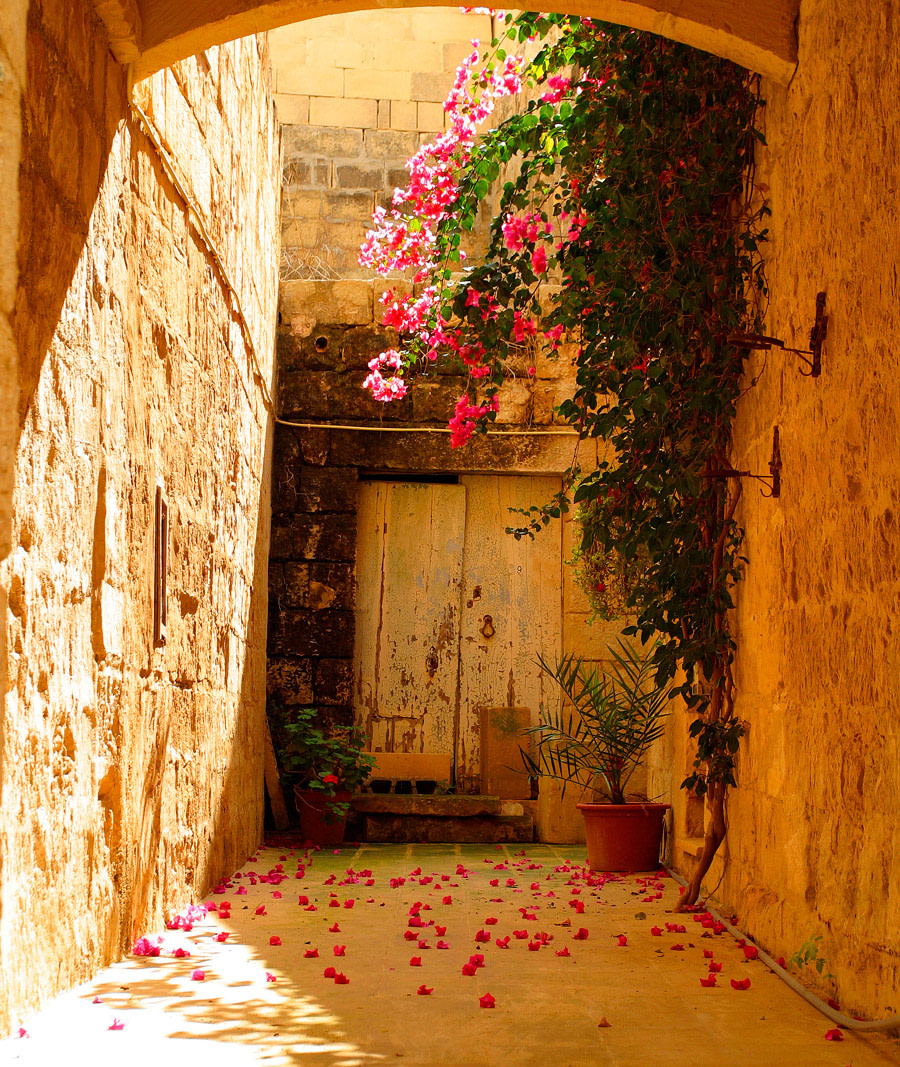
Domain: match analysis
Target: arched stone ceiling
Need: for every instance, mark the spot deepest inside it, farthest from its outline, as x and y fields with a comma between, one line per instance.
x=758, y=34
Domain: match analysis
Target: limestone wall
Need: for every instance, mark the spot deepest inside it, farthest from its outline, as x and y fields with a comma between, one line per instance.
x=132, y=772
x=814, y=829
x=358, y=94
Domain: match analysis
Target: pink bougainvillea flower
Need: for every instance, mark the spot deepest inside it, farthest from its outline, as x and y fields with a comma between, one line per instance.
x=677, y=947
x=440, y=930
x=96, y=1000
x=330, y=779
x=487, y=1001
x=477, y=959
x=676, y=928
x=334, y=929
x=447, y=900
x=534, y=946
x=714, y=968
x=339, y=950
x=222, y=936
x=144, y=947
x=423, y=944
x=302, y=900
x=410, y=935
x=520, y=935
x=424, y=991
x=276, y=895
x=622, y=940
x=708, y=953
x=743, y=983
x=261, y=910
x=116, y=1024
x=482, y=935
x=349, y=903
x=495, y=882
x=834, y=1035
x=442, y=944
x=751, y=952
x=502, y=942
x=656, y=931
x=341, y=979
x=270, y=977
x=469, y=969
x=329, y=972
x=310, y=907
x=708, y=982
x=581, y=934
x=334, y=903
x=198, y=975
x=563, y=951
x=491, y=920
x=181, y=953
x=275, y=940
x=311, y=954
x=415, y=961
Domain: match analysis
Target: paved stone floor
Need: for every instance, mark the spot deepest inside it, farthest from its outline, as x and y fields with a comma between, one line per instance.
x=584, y=956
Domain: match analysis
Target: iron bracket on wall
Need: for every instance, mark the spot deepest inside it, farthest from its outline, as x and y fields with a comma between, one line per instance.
x=811, y=356
x=772, y=480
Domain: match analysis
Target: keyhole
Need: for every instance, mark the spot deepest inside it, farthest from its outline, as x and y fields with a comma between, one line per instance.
x=487, y=627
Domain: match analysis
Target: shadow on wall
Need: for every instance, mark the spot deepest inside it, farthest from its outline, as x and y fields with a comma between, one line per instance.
x=72, y=107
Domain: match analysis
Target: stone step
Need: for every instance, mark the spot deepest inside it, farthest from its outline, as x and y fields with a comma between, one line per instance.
x=409, y=804
x=468, y=830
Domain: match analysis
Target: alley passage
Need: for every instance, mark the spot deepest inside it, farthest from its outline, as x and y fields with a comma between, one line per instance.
x=444, y=955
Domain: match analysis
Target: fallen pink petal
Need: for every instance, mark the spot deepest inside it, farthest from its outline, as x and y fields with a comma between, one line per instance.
x=486, y=1001
x=198, y=975
x=834, y=1035
x=270, y=977
x=116, y=1024
x=424, y=991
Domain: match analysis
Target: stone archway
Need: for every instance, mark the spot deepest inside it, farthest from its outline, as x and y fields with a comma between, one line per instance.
x=155, y=33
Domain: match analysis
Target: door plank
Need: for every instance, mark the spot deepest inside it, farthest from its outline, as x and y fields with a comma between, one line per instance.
x=518, y=585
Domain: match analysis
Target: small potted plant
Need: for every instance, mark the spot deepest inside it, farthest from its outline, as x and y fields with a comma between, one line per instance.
x=595, y=740
x=325, y=769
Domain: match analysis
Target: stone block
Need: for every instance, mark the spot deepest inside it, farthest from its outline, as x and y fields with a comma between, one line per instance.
x=334, y=681
x=431, y=87
x=295, y=585
x=289, y=681
x=311, y=81
x=331, y=489
x=304, y=141
x=384, y=114
x=321, y=538
x=434, y=402
x=292, y=110
x=404, y=115
x=444, y=806
x=390, y=144
x=449, y=24
x=332, y=111
x=352, y=176
x=337, y=51
x=344, y=303
x=498, y=829
x=430, y=117
x=380, y=84
x=515, y=402
x=311, y=633
x=353, y=206
x=332, y=585
x=338, y=397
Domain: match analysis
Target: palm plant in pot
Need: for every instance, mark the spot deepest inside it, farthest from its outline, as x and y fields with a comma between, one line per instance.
x=325, y=768
x=595, y=740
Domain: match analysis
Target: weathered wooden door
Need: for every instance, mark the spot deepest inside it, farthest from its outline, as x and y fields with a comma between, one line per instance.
x=511, y=607
x=451, y=612
x=409, y=571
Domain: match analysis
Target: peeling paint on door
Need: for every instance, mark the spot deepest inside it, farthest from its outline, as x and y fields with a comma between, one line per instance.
x=452, y=612
x=409, y=573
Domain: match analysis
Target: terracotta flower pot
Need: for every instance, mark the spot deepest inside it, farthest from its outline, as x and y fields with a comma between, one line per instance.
x=623, y=837
x=312, y=808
